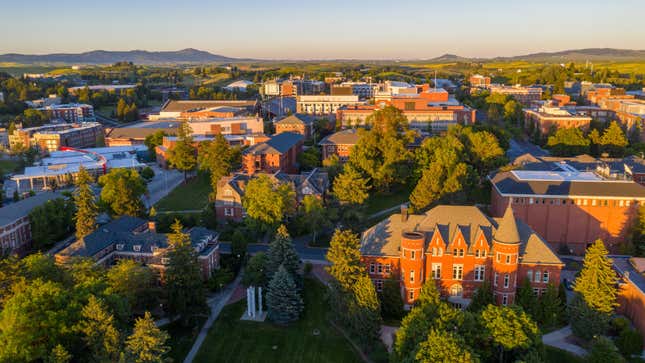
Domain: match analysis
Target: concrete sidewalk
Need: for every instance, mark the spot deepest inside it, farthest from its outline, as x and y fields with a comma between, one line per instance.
x=216, y=304
x=558, y=339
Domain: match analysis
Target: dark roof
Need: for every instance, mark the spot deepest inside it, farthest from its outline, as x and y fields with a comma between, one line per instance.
x=507, y=183
x=22, y=208
x=344, y=137
x=130, y=234
x=186, y=105
x=384, y=238
x=277, y=144
x=297, y=119
x=136, y=132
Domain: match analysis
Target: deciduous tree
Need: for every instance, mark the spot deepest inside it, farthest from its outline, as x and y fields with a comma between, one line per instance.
x=147, y=344
x=444, y=347
x=182, y=155
x=122, y=192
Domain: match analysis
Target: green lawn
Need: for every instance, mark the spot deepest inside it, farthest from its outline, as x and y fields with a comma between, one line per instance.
x=232, y=340
x=8, y=166
x=555, y=355
x=181, y=339
x=380, y=201
x=189, y=196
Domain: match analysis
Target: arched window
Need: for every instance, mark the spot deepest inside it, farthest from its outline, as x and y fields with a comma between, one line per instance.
x=456, y=290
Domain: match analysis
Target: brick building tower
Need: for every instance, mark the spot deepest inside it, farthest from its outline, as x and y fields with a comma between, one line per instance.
x=506, y=250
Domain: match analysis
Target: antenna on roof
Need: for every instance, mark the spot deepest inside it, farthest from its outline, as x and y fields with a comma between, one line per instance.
x=435, y=79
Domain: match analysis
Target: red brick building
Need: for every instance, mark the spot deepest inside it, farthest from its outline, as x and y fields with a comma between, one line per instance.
x=279, y=153
x=458, y=248
x=631, y=292
x=298, y=123
x=230, y=190
x=547, y=118
x=570, y=208
x=137, y=239
x=339, y=143
x=479, y=81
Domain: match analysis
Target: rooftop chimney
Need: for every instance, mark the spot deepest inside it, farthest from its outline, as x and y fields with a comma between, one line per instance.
x=404, y=212
x=152, y=226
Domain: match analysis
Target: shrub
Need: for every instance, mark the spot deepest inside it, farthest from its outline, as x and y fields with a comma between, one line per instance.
x=147, y=173
x=220, y=278
x=619, y=324
x=308, y=267
x=629, y=342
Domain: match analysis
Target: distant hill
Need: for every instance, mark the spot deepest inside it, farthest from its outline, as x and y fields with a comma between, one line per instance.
x=592, y=54
x=188, y=55
x=577, y=55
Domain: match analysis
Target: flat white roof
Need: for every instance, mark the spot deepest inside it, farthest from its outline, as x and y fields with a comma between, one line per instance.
x=530, y=175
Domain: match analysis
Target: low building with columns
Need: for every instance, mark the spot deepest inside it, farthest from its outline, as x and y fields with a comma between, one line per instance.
x=458, y=248
x=325, y=104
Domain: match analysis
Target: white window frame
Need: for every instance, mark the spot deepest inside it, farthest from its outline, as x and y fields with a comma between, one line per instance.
x=507, y=281
x=436, y=271
x=458, y=272
x=480, y=272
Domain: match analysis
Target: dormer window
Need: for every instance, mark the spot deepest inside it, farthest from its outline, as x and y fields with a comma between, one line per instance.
x=119, y=247
x=136, y=248
x=165, y=260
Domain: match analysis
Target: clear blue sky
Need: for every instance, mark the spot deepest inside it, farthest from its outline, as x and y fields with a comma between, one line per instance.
x=321, y=29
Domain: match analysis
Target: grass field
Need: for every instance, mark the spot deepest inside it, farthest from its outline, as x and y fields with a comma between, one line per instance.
x=380, y=201
x=181, y=339
x=555, y=355
x=231, y=340
x=8, y=166
x=190, y=196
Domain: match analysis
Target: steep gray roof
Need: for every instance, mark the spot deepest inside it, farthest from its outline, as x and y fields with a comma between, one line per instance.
x=384, y=238
x=277, y=144
x=22, y=208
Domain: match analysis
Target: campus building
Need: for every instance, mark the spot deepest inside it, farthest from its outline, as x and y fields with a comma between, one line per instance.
x=298, y=123
x=52, y=137
x=61, y=167
x=137, y=239
x=547, y=118
x=230, y=190
x=479, y=81
x=523, y=95
x=70, y=112
x=428, y=109
x=339, y=144
x=279, y=153
x=569, y=206
x=15, y=228
x=458, y=248
x=324, y=104
x=173, y=109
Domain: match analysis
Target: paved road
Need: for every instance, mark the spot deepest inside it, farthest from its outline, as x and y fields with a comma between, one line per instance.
x=216, y=304
x=163, y=183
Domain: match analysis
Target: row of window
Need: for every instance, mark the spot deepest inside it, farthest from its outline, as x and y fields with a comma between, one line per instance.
x=438, y=251
x=506, y=282
x=507, y=258
x=379, y=268
x=583, y=202
x=538, y=276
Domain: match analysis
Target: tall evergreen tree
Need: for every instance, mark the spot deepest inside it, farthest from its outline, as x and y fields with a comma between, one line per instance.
x=597, y=280
x=550, y=308
x=86, y=209
x=613, y=140
x=99, y=333
x=482, y=297
x=182, y=155
x=345, y=257
x=526, y=298
x=283, y=253
x=364, y=311
x=122, y=192
x=147, y=344
x=284, y=303
x=391, y=301
x=59, y=355
x=186, y=295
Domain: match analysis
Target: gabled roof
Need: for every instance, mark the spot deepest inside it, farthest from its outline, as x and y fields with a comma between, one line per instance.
x=297, y=119
x=384, y=238
x=345, y=137
x=277, y=144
